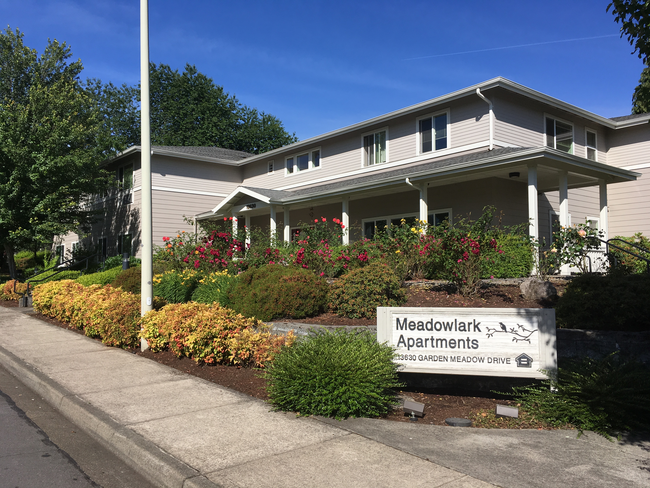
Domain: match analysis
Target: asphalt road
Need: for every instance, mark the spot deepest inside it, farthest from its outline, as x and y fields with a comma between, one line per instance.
x=41, y=448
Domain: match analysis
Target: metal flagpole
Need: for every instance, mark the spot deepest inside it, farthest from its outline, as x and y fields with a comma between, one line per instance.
x=146, y=303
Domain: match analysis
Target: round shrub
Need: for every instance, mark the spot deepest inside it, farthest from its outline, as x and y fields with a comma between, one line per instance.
x=129, y=280
x=515, y=261
x=214, y=288
x=335, y=374
x=612, y=302
x=359, y=293
x=277, y=291
x=176, y=286
x=211, y=334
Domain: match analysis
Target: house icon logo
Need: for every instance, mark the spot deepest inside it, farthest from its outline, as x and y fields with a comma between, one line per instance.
x=524, y=361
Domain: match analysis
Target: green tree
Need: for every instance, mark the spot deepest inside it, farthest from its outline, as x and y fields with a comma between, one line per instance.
x=187, y=109
x=119, y=112
x=48, y=153
x=634, y=17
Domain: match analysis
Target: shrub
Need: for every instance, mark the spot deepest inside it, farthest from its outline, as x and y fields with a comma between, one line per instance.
x=105, y=312
x=211, y=334
x=176, y=286
x=214, y=288
x=359, y=293
x=598, y=395
x=277, y=291
x=515, y=261
x=115, y=261
x=8, y=290
x=611, y=302
x=54, y=276
x=627, y=262
x=129, y=280
x=335, y=374
x=100, y=278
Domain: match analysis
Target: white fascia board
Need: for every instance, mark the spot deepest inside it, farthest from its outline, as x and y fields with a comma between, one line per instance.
x=172, y=154
x=622, y=124
x=239, y=190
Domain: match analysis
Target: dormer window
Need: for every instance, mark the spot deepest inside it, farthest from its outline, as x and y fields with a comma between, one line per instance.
x=374, y=148
x=590, y=145
x=433, y=133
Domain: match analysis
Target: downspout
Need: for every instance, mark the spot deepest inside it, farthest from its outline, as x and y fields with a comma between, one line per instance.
x=408, y=182
x=478, y=92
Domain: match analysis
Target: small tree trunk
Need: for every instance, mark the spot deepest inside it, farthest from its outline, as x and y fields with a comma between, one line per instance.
x=9, y=251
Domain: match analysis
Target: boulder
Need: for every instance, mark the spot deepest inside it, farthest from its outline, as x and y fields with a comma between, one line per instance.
x=536, y=289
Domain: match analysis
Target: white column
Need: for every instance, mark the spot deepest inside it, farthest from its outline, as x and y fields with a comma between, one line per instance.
x=424, y=202
x=564, y=209
x=234, y=224
x=273, y=224
x=345, y=219
x=603, y=223
x=533, y=212
x=248, y=230
x=287, y=225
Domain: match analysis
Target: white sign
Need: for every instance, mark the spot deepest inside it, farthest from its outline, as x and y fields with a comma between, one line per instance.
x=472, y=341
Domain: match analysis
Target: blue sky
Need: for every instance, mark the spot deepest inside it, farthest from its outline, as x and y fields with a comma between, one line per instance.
x=319, y=66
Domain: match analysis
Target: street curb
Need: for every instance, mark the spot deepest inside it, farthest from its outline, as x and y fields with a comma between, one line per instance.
x=144, y=456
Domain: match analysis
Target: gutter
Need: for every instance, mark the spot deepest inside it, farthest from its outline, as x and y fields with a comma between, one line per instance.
x=491, y=115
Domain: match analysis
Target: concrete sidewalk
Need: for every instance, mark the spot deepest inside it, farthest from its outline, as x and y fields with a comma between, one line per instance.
x=181, y=431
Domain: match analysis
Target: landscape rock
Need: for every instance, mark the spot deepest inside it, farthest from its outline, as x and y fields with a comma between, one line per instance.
x=536, y=289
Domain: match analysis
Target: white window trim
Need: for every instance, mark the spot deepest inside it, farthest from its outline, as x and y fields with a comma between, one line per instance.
x=564, y=121
x=363, y=149
x=595, y=148
x=418, y=147
x=310, y=153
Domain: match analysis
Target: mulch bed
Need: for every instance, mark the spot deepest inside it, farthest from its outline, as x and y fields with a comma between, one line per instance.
x=440, y=404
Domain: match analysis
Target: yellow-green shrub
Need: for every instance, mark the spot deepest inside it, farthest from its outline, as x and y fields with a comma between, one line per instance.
x=105, y=312
x=211, y=334
x=8, y=290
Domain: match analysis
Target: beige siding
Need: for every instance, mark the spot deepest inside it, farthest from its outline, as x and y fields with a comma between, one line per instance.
x=196, y=176
x=629, y=206
x=629, y=147
x=521, y=122
x=170, y=208
x=341, y=155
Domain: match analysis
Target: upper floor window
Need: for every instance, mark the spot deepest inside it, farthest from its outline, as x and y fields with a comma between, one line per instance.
x=590, y=145
x=125, y=177
x=374, y=148
x=303, y=162
x=559, y=135
x=433, y=132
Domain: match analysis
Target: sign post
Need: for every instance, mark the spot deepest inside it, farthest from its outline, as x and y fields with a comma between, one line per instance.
x=517, y=342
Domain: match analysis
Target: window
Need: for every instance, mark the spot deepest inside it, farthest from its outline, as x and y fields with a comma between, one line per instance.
x=302, y=162
x=124, y=244
x=373, y=227
x=270, y=170
x=437, y=217
x=433, y=133
x=374, y=148
x=104, y=245
x=59, y=252
x=590, y=145
x=559, y=135
x=125, y=182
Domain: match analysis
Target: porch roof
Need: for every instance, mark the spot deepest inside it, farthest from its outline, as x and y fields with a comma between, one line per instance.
x=501, y=163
